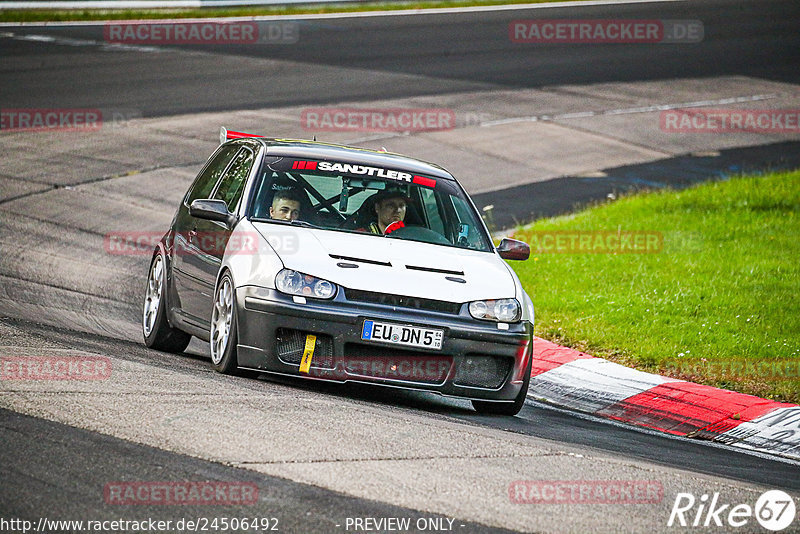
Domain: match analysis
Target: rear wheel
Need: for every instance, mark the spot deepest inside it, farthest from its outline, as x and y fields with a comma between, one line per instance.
x=507, y=408
x=158, y=334
x=224, y=337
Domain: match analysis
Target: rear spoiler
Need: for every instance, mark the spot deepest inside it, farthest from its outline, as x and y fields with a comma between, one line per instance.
x=226, y=135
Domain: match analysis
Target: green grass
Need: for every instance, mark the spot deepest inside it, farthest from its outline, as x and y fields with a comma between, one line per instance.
x=723, y=291
x=40, y=15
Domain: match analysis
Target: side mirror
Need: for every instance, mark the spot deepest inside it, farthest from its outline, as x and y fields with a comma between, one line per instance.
x=212, y=210
x=511, y=249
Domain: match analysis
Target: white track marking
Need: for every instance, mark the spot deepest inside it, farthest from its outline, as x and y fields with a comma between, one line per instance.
x=68, y=41
x=626, y=111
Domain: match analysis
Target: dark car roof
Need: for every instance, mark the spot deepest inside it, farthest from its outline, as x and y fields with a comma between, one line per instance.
x=339, y=153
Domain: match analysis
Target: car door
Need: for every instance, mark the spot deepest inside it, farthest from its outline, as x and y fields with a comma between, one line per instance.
x=207, y=240
x=203, y=187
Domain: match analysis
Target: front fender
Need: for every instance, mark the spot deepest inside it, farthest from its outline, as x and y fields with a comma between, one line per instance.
x=522, y=296
x=250, y=258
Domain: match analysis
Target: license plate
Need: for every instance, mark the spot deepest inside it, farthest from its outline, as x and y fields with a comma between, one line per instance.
x=400, y=334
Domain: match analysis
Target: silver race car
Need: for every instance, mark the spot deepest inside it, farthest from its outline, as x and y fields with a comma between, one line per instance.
x=342, y=264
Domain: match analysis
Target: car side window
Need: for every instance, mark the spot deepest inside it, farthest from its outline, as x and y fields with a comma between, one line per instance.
x=432, y=210
x=205, y=182
x=232, y=184
x=468, y=234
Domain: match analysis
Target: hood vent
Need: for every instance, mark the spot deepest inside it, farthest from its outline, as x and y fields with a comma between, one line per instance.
x=360, y=260
x=434, y=270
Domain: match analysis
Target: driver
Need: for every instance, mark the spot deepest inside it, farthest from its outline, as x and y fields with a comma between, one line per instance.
x=285, y=205
x=390, y=210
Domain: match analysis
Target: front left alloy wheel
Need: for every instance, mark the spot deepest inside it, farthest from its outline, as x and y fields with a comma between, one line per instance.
x=158, y=334
x=223, y=337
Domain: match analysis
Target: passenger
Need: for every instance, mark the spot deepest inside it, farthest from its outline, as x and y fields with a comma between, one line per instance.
x=285, y=205
x=390, y=211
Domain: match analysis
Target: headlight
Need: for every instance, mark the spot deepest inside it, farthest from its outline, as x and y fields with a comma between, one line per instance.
x=501, y=310
x=294, y=283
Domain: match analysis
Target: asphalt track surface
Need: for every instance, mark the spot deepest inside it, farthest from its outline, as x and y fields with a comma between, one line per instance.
x=436, y=53
x=55, y=469
x=87, y=461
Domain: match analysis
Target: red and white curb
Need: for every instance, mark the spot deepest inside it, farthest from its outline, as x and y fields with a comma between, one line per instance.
x=577, y=381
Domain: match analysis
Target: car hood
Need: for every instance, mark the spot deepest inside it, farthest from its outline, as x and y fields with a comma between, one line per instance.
x=395, y=266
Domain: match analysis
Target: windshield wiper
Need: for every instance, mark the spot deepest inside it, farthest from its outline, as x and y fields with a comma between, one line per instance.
x=296, y=222
x=304, y=224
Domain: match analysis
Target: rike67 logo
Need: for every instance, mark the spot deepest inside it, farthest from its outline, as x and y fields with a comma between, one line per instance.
x=774, y=510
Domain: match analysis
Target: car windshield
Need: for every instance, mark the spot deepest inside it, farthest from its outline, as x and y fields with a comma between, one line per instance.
x=365, y=199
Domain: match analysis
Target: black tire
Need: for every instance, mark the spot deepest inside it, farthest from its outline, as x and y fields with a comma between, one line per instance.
x=223, y=352
x=507, y=408
x=156, y=330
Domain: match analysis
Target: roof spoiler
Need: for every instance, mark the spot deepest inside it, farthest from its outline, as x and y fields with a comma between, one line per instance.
x=227, y=135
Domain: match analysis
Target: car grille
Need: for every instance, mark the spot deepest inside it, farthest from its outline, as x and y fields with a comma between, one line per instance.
x=483, y=371
x=387, y=299
x=291, y=343
x=393, y=364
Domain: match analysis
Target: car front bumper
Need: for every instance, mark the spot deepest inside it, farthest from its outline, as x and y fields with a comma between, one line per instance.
x=477, y=360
